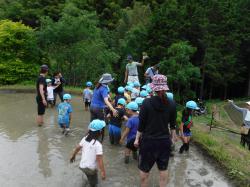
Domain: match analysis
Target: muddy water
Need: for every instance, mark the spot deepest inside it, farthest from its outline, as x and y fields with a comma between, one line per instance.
x=39, y=156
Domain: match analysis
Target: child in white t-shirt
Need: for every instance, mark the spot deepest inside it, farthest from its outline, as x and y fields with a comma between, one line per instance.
x=92, y=153
x=50, y=92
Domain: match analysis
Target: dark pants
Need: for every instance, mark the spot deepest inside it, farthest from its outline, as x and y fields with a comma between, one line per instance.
x=245, y=139
x=40, y=106
x=60, y=94
x=153, y=151
x=91, y=175
x=96, y=113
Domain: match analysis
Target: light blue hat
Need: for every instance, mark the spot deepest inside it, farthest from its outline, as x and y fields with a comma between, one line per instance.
x=149, y=90
x=130, y=84
x=48, y=80
x=139, y=100
x=170, y=95
x=96, y=125
x=121, y=101
x=132, y=106
x=192, y=105
x=120, y=90
x=89, y=84
x=143, y=93
x=66, y=97
x=129, y=88
x=137, y=84
x=144, y=87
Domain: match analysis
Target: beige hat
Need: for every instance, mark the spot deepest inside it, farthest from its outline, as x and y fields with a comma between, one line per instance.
x=248, y=102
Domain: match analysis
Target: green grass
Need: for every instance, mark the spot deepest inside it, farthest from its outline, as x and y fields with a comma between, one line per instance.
x=223, y=146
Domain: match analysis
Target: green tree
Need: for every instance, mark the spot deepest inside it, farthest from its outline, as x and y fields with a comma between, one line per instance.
x=19, y=53
x=180, y=71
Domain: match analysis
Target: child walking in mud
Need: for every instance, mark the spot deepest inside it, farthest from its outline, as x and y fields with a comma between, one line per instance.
x=64, y=114
x=130, y=131
x=87, y=95
x=186, y=124
x=92, y=153
x=50, y=92
x=115, y=122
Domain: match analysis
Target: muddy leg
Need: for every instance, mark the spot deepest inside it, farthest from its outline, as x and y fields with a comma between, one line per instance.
x=144, y=178
x=163, y=178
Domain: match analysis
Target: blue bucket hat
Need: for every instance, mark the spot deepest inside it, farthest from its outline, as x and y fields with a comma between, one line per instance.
x=130, y=84
x=137, y=84
x=129, y=88
x=66, y=97
x=121, y=101
x=143, y=93
x=106, y=78
x=120, y=90
x=144, y=87
x=89, y=84
x=139, y=100
x=192, y=105
x=96, y=125
x=170, y=95
x=132, y=106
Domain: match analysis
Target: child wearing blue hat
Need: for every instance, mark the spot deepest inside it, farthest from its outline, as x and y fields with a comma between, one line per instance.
x=87, y=95
x=130, y=131
x=119, y=95
x=92, y=153
x=115, y=122
x=64, y=113
x=186, y=125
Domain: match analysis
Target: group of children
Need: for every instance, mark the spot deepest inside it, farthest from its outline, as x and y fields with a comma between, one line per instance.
x=127, y=103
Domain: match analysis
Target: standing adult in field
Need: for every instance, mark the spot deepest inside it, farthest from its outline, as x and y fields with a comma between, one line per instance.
x=100, y=98
x=245, y=129
x=59, y=81
x=153, y=131
x=131, y=73
x=41, y=89
x=150, y=72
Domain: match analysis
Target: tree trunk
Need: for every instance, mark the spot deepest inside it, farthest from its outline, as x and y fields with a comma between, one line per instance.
x=202, y=79
x=211, y=90
x=225, y=92
x=248, y=90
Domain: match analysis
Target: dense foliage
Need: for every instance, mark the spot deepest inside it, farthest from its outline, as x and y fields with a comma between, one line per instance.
x=202, y=46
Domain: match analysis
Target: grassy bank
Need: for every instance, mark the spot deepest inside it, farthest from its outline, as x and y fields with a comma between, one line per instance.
x=224, y=146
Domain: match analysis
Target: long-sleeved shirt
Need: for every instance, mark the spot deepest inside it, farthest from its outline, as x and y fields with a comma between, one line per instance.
x=155, y=116
x=246, y=114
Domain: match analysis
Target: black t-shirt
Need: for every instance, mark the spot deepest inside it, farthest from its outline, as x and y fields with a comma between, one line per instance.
x=117, y=121
x=41, y=80
x=60, y=87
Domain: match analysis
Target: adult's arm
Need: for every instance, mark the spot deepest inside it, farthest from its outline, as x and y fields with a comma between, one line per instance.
x=142, y=118
x=126, y=76
x=41, y=86
x=236, y=107
x=106, y=100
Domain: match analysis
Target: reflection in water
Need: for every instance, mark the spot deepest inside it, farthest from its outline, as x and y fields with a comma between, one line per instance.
x=39, y=156
x=43, y=150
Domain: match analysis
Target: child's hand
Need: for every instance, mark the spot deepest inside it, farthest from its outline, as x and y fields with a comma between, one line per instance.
x=115, y=113
x=103, y=175
x=121, y=141
x=136, y=143
x=72, y=159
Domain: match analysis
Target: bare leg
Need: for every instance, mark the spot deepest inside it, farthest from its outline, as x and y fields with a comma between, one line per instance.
x=144, y=179
x=39, y=120
x=163, y=178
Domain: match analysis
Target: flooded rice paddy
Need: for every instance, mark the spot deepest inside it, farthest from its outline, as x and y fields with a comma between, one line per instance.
x=39, y=156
